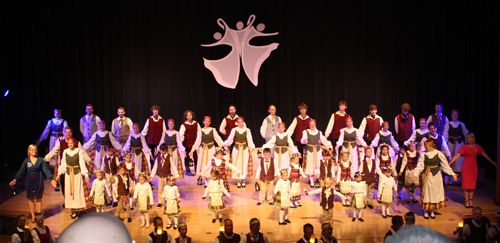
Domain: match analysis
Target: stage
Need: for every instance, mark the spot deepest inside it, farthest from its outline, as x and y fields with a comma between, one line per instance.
x=243, y=207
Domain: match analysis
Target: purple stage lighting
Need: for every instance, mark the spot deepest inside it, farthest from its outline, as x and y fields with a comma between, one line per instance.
x=6, y=93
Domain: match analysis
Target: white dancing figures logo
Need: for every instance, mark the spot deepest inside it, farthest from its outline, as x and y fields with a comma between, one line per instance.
x=227, y=69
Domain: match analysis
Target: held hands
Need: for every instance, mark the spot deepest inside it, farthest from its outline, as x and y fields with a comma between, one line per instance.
x=230, y=197
x=13, y=182
x=203, y=198
x=150, y=179
x=178, y=179
x=53, y=183
x=87, y=180
x=413, y=180
x=191, y=154
x=400, y=173
x=455, y=177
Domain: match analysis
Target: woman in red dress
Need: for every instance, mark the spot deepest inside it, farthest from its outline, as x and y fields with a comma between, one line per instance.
x=469, y=167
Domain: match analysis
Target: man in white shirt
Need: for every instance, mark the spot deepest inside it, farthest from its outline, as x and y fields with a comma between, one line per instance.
x=121, y=127
x=21, y=232
x=89, y=123
x=270, y=125
x=326, y=234
x=40, y=231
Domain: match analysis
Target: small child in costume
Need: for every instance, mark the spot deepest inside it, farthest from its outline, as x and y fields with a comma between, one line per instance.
x=328, y=193
x=408, y=166
x=295, y=171
x=282, y=196
x=386, y=188
x=326, y=167
x=223, y=165
x=100, y=199
x=217, y=190
x=358, y=193
x=172, y=197
x=123, y=187
x=143, y=197
x=345, y=172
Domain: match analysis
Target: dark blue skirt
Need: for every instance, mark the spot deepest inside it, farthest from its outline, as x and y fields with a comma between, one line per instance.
x=34, y=185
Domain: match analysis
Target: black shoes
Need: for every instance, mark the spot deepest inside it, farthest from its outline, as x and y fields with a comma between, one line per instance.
x=288, y=221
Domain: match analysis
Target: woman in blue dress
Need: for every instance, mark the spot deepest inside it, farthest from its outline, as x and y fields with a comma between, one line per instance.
x=35, y=166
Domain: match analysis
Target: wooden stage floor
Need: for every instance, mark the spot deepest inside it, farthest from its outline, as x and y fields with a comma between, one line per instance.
x=243, y=207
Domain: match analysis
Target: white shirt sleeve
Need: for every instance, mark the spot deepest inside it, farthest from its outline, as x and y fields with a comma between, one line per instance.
x=375, y=140
x=197, y=142
x=413, y=125
x=362, y=127
x=341, y=137
x=222, y=127
x=55, y=150
x=329, y=128
x=464, y=130
x=230, y=139
x=263, y=128
x=413, y=137
x=270, y=143
x=396, y=125
x=360, y=139
x=304, y=137
x=34, y=235
x=182, y=130
x=115, y=143
x=146, y=128
x=217, y=138
x=292, y=126
x=91, y=141
x=250, y=141
x=325, y=141
x=445, y=132
x=403, y=163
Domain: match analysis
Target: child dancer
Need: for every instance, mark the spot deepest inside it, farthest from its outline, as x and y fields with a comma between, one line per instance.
x=282, y=196
x=266, y=174
x=173, y=198
x=55, y=128
x=281, y=142
x=102, y=140
x=312, y=137
x=408, y=166
x=206, y=152
x=222, y=165
x=143, y=197
x=418, y=134
x=349, y=139
x=242, y=151
x=216, y=189
x=383, y=160
x=136, y=144
x=345, y=173
x=368, y=168
x=109, y=165
x=327, y=195
x=295, y=171
x=326, y=167
x=175, y=148
x=123, y=188
x=100, y=199
x=358, y=194
x=386, y=189
x=131, y=170
x=385, y=137
x=455, y=133
x=165, y=167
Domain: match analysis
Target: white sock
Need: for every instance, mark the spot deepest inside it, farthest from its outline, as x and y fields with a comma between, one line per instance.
x=97, y=210
x=169, y=221
x=214, y=214
x=388, y=209
x=286, y=214
x=130, y=201
x=282, y=215
x=146, y=218
x=360, y=213
x=311, y=180
x=176, y=220
x=142, y=219
x=220, y=215
x=383, y=209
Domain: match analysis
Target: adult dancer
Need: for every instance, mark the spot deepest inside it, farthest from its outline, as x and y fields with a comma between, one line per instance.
x=55, y=129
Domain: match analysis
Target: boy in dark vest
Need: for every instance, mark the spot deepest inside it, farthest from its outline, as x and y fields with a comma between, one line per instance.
x=439, y=118
x=40, y=232
x=188, y=132
x=158, y=232
x=327, y=195
x=326, y=167
x=337, y=122
x=367, y=167
x=154, y=128
x=110, y=165
x=298, y=125
x=404, y=124
x=266, y=174
x=165, y=167
x=255, y=236
x=22, y=232
x=370, y=125
x=123, y=187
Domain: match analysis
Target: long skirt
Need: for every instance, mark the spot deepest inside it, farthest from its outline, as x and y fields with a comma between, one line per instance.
x=283, y=161
x=432, y=195
x=312, y=162
x=240, y=161
x=205, y=156
x=74, y=200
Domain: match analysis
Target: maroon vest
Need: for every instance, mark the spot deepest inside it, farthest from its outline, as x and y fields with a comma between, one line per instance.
x=325, y=169
x=440, y=122
x=270, y=171
x=190, y=134
x=236, y=238
x=294, y=174
x=222, y=168
x=122, y=190
x=405, y=127
x=301, y=126
x=477, y=234
x=44, y=238
x=164, y=238
x=369, y=176
x=345, y=172
x=261, y=238
x=230, y=124
x=338, y=124
x=372, y=128
x=155, y=131
x=110, y=165
x=323, y=198
x=131, y=172
x=164, y=170
x=21, y=235
x=411, y=163
x=178, y=240
x=384, y=163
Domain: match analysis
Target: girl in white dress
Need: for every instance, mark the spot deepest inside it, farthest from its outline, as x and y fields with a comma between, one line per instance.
x=349, y=139
x=386, y=188
x=205, y=143
x=358, y=193
x=312, y=137
x=216, y=190
x=242, y=151
x=283, y=145
x=295, y=171
x=384, y=137
x=345, y=173
x=282, y=197
x=172, y=197
x=143, y=197
x=100, y=198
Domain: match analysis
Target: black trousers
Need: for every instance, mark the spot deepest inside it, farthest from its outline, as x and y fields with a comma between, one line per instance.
x=188, y=159
x=61, y=182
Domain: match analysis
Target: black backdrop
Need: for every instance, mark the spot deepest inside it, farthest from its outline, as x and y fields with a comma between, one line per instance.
x=139, y=53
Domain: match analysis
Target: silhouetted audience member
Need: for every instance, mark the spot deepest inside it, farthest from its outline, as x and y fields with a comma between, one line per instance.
x=494, y=231
x=397, y=222
x=417, y=234
x=409, y=218
x=96, y=228
x=308, y=232
x=326, y=234
x=229, y=235
x=476, y=228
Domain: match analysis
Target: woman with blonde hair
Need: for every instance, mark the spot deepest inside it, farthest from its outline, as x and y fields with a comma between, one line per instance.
x=34, y=166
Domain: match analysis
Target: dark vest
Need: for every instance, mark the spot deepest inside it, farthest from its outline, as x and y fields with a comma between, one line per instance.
x=405, y=127
x=57, y=128
x=22, y=236
x=349, y=137
x=164, y=238
x=270, y=172
x=110, y=165
x=324, y=202
x=155, y=131
x=241, y=138
x=440, y=122
x=102, y=141
x=73, y=161
x=208, y=139
x=261, y=238
x=230, y=124
x=477, y=234
x=164, y=166
x=171, y=141
x=282, y=143
x=411, y=163
x=236, y=238
x=325, y=169
x=131, y=172
x=301, y=126
x=372, y=128
x=432, y=162
x=136, y=145
x=438, y=141
x=190, y=134
x=455, y=134
x=419, y=136
x=384, y=139
x=312, y=141
x=345, y=172
x=44, y=238
x=369, y=176
x=122, y=190
x=178, y=239
x=63, y=145
x=338, y=124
